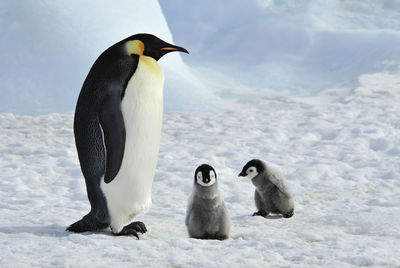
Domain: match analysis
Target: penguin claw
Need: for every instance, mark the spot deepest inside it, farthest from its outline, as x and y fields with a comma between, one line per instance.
x=133, y=229
x=289, y=214
x=137, y=226
x=86, y=224
x=261, y=213
x=128, y=231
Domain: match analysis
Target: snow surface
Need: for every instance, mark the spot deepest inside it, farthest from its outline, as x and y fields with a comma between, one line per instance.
x=339, y=151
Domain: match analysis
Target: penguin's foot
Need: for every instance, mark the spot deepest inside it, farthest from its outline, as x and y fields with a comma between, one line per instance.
x=289, y=214
x=86, y=224
x=138, y=226
x=79, y=227
x=89, y=223
x=262, y=213
x=223, y=237
x=208, y=236
x=128, y=231
x=133, y=229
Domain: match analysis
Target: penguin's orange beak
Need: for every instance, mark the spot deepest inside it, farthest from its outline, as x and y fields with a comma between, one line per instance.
x=175, y=48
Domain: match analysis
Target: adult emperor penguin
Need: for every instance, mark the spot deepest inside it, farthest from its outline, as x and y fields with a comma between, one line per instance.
x=117, y=129
x=207, y=216
x=272, y=195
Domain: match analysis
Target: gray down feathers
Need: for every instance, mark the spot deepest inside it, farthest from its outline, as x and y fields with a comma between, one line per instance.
x=207, y=216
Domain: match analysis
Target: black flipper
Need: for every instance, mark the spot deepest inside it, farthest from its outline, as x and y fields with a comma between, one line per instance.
x=96, y=116
x=112, y=124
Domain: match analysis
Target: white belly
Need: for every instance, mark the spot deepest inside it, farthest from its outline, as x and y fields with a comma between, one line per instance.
x=130, y=192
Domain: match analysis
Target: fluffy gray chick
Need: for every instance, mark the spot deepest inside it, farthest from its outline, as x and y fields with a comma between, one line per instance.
x=207, y=216
x=272, y=195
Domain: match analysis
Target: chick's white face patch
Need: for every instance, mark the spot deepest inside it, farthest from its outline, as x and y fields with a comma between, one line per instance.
x=251, y=172
x=204, y=181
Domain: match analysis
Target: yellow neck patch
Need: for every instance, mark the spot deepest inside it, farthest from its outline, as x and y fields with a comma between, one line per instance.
x=135, y=47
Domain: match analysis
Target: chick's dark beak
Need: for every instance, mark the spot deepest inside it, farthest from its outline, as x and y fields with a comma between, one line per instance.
x=242, y=174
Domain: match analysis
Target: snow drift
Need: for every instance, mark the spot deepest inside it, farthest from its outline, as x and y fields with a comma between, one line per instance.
x=47, y=48
x=295, y=47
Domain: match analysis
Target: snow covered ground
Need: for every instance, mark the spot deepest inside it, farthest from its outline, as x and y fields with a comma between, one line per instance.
x=339, y=151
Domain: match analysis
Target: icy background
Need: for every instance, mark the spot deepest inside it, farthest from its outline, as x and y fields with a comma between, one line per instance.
x=47, y=48
x=311, y=87
x=237, y=50
x=292, y=47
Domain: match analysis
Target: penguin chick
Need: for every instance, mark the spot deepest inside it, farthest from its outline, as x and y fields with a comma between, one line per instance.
x=207, y=216
x=272, y=195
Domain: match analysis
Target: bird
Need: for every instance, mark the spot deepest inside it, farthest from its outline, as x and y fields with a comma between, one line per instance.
x=207, y=216
x=117, y=129
x=272, y=195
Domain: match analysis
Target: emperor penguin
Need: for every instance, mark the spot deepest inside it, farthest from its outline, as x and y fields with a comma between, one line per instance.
x=206, y=215
x=272, y=195
x=117, y=127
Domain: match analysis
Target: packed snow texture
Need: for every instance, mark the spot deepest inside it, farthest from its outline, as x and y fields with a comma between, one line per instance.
x=292, y=47
x=47, y=48
x=339, y=152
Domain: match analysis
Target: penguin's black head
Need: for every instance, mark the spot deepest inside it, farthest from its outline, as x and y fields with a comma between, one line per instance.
x=149, y=45
x=205, y=175
x=252, y=168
